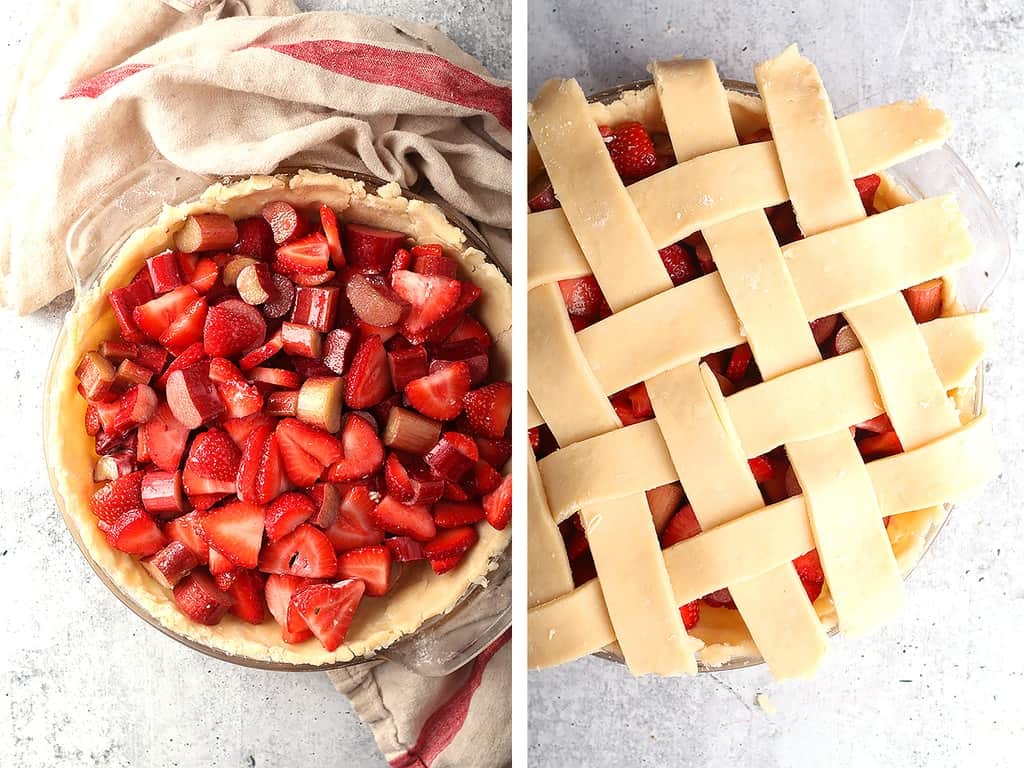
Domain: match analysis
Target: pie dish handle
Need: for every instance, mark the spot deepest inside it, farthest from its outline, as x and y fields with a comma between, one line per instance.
x=97, y=235
x=446, y=643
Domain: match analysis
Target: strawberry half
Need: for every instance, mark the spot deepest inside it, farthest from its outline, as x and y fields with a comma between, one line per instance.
x=371, y=565
x=328, y=610
x=189, y=531
x=309, y=255
x=235, y=531
x=431, y=297
x=369, y=378
x=498, y=504
x=354, y=526
x=440, y=395
x=690, y=614
x=118, y=497
x=450, y=543
x=212, y=464
x=363, y=451
x=261, y=476
x=632, y=151
x=286, y=513
x=488, y=409
x=405, y=519
x=245, y=588
x=329, y=224
x=136, y=533
x=278, y=592
x=306, y=451
x=233, y=328
x=453, y=514
x=306, y=552
x=683, y=525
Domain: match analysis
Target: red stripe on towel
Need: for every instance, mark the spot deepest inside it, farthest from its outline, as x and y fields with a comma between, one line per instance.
x=423, y=73
x=441, y=728
x=104, y=81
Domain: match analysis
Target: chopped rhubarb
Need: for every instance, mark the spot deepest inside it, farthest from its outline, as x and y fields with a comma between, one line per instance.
x=373, y=303
x=663, y=502
x=301, y=340
x=255, y=238
x=326, y=502
x=200, y=599
x=229, y=275
x=123, y=301
x=315, y=307
x=320, y=401
x=275, y=377
x=370, y=250
x=406, y=365
x=163, y=495
x=206, y=232
x=409, y=431
x=284, y=221
x=171, y=564
x=282, y=403
x=453, y=456
x=338, y=349
x=163, y=272
x=129, y=373
x=96, y=375
x=113, y=466
x=136, y=407
x=405, y=549
x=925, y=300
x=255, y=285
x=192, y=397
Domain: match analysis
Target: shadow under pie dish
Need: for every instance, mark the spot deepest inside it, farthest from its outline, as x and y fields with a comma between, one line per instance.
x=343, y=246
x=725, y=474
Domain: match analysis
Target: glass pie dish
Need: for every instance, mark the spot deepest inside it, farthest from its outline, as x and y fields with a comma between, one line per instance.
x=935, y=173
x=441, y=642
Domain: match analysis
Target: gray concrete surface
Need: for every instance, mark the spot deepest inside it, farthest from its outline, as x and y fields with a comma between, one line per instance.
x=943, y=685
x=83, y=682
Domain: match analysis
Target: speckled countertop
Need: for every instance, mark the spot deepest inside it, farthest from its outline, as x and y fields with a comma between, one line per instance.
x=83, y=682
x=942, y=685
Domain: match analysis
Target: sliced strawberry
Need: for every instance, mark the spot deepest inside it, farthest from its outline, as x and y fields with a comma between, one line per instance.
x=189, y=532
x=136, y=533
x=583, y=298
x=240, y=399
x=401, y=260
x=245, y=588
x=354, y=526
x=371, y=565
x=123, y=302
x=275, y=377
x=93, y=426
x=154, y=317
x=188, y=358
x=233, y=328
x=406, y=365
x=405, y=549
x=762, y=468
x=328, y=610
x=198, y=598
x=430, y=297
x=370, y=250
x=212, y=464
x=282, y=299
x=496, y=452
x=450, y=543
x=286, y=513
x=240, y=429
x=236, y=531
x=118, y=497
x=720, y=598
x=878, y=424
x=690, y=614
x=261, y=475
x=867, y=186
x=255, y=238
x=808, y=567
x=632, y=151
x=498, y=504
x=453, y=514
x=329, y=224
x=404, y=519
x=680, y=265
x=489, y=408
x=363, y=451
x=470, y=328
x=541, y=195
x=206, y=277
x=306, y=552
x=222, y=369
x=485, y=478
x=309, y=255
x=440, y=395
x=879, y=446
x=306, y=451
x=683, y=525
x=739, y=362
x=279, y=590
x=434, y=264
x=369, y=380
x=823, y=328
x=171, y=564
x=442, y=565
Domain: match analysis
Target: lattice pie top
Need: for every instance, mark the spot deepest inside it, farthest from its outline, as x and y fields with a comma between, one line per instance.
x=764, y=295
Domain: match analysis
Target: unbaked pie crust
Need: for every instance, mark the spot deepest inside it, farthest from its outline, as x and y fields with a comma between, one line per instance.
x=418, y=594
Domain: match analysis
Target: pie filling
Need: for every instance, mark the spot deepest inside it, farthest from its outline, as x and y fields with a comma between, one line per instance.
x=699, y=454
x=295, y=413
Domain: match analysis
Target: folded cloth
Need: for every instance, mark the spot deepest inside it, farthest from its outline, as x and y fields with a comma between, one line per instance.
x=242, y=86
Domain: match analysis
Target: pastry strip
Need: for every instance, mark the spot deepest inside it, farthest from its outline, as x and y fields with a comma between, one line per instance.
x=796, y=406
x=604, y=220
x=548, y=572
x=855, y=552
x=736, y=181
x=689, y=405
x=576, y=624
x=829, y=275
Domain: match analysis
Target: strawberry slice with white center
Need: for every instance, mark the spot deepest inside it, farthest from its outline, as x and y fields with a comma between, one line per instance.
x=454, y=514
x=354, y=525
x=309, y=255
x=452, y=542
x=498, y=504
x=199, y=598
x=278, y=593
x=136, y=533
x=186, y=329
x=440, y=395
x=246, y=591
x=328, y=610
x=261, y=476
x=489, y=408
x=306, y=451
x=232, y=328
x=188, y=530
x=369, y=377
x=371, y=565
x=240, y=429
x=329, y=224
x=118, y=497
x=286, y=513
x=240, y=398
x=306, y=552
x=235, y=531
x=212, y=464
x=431, y=298
x=405, y=519
x=363, y=451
